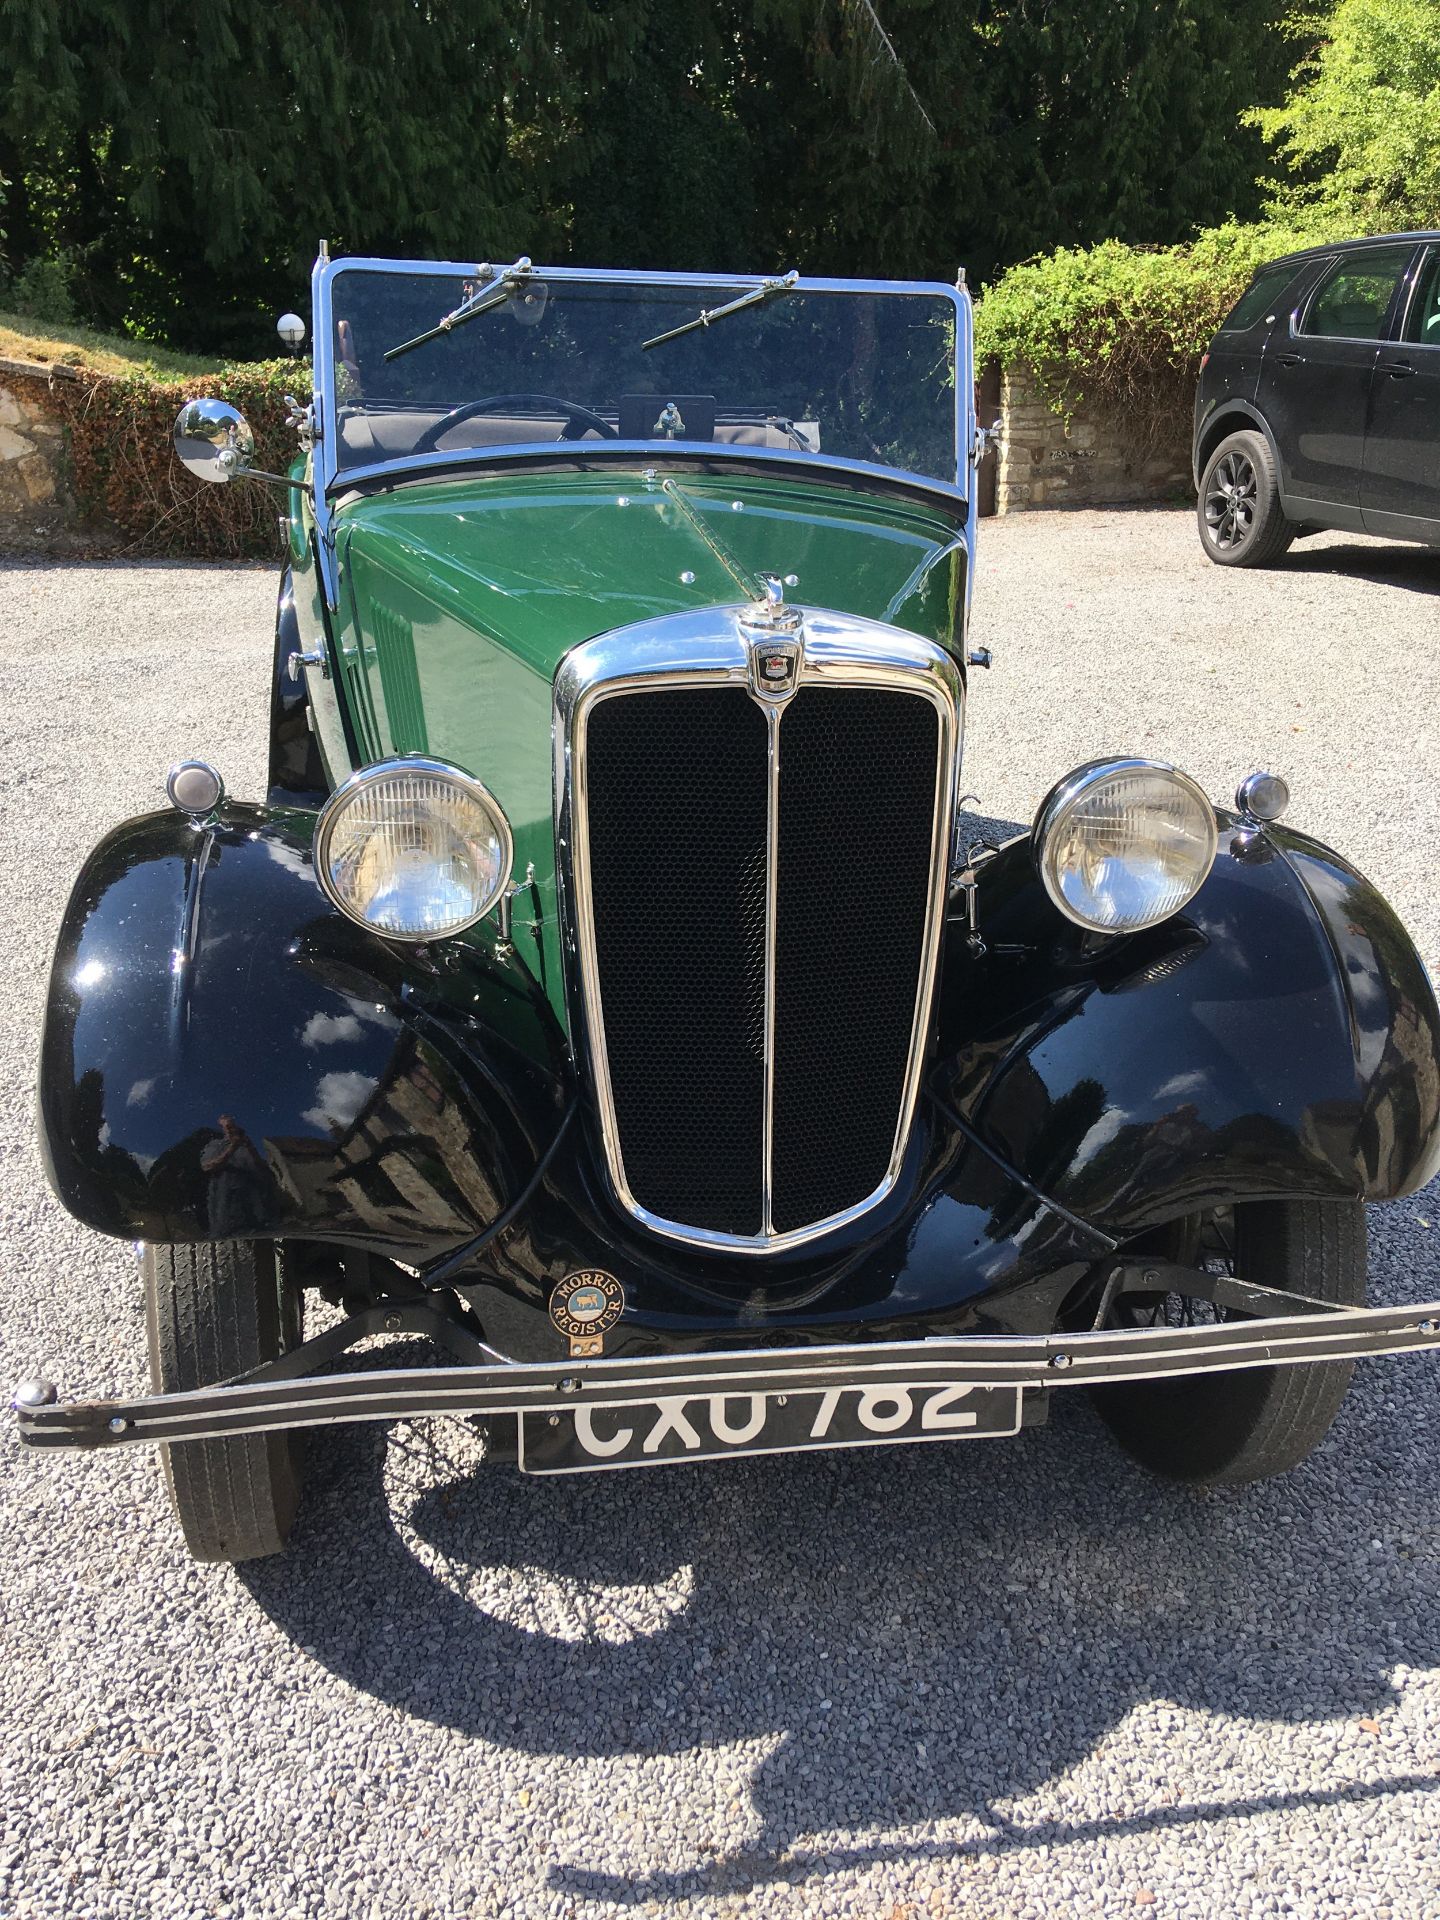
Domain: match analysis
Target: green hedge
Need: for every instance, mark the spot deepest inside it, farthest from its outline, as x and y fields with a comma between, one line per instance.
x=125, y=473
x=1119, y=330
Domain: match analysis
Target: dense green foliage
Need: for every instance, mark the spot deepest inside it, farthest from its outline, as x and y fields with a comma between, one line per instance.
x=186, y=159
x=43, y=289
x=1360, y=134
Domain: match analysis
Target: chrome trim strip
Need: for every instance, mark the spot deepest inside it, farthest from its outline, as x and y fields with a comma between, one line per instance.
x=708, y=648
x=322, y=453
x=747, y=582
x=621, y=276
x=1009, y=1360
x=773, y=717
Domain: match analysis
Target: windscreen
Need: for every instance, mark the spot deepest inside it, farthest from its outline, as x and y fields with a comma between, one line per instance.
x=854, y=376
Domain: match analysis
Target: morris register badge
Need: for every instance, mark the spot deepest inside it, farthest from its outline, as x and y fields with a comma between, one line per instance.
x=584, y=1307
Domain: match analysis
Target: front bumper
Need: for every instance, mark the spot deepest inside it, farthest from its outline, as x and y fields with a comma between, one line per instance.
x=264, y=1402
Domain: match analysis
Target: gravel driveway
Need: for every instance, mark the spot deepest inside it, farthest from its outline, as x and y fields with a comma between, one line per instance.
x=1010, y=1680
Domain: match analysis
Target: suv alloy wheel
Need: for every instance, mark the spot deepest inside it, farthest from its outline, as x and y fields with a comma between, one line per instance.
x=1241, y=521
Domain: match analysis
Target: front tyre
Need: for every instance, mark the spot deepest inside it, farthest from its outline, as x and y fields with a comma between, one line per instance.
x=1220, y=1429
x=213, y=1310
x=1241, y=521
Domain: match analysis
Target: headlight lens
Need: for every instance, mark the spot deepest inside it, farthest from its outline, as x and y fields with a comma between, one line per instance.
x=1122, y=844
x=413, y=849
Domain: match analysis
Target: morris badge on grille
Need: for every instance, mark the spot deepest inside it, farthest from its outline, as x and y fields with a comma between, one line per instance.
x=775, y=643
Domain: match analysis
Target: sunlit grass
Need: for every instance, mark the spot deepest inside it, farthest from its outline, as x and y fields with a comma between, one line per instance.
x=43, y=341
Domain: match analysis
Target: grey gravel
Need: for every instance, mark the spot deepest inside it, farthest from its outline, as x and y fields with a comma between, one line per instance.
x=1001, y=1681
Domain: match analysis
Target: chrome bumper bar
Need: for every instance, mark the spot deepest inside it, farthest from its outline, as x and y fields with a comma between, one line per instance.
x=1007, y=1360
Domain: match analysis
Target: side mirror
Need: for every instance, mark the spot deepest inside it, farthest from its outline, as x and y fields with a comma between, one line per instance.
x=213, y=440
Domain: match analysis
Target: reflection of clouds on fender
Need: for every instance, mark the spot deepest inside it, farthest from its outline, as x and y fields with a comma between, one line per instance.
x=556, y=1605
x=339, y=1098
x=329, y=1029
x=1101, y=1134
x=291, y=858
x=323, y=1029
x=1189, y=1083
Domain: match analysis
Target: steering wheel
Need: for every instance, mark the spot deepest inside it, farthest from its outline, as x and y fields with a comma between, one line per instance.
x=579, y=419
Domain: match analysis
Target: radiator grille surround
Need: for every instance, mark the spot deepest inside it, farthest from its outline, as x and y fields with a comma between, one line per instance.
x=752, y=893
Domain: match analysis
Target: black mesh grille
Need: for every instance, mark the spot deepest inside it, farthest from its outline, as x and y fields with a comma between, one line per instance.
x=677, y=793
x=677, y=797
x=857, y=805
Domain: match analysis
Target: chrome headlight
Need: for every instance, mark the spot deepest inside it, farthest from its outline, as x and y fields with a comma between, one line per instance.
x=1122, y=844
x=413, y=849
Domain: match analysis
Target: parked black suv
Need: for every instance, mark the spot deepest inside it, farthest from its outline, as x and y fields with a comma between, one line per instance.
x=1319, y=401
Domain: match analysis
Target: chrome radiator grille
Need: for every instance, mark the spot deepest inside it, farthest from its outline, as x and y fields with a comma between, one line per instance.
x=756, y=890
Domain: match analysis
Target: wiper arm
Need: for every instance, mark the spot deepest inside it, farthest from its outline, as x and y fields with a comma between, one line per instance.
x=493, y=294
x=707, y=317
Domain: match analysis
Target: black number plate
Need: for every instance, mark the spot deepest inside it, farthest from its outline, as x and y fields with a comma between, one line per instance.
x=715, y=1426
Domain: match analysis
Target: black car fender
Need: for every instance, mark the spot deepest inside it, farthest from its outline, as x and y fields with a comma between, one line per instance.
x=226, y=1056
x=1231, y=415
x=1280, y=1037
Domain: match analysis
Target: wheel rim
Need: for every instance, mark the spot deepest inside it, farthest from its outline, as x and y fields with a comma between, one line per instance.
x=1231, y=501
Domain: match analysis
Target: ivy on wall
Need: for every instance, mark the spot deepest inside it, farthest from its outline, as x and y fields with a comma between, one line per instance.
x=124, y=471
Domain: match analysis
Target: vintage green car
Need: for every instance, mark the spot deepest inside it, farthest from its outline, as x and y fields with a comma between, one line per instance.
x=611, y=988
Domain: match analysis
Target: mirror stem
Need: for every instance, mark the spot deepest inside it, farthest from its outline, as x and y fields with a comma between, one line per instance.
x=280, y=479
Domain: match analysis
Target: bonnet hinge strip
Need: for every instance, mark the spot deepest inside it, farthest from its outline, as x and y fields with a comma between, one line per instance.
x=749, y=583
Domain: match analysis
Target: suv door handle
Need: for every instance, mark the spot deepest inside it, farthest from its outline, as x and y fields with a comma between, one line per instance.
x=1291, y=359
x=1399, y=369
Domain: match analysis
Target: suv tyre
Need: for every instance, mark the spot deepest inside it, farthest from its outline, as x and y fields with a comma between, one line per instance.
x=1239, y=514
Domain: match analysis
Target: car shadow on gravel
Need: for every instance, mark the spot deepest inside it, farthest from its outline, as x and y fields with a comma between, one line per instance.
x=1416, y=569
x=921, y=1632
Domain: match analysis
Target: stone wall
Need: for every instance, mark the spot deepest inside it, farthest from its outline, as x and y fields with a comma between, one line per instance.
x=1045, y=463
x=35, y=499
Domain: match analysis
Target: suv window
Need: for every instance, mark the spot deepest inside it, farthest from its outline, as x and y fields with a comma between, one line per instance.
x=1424, y=322
x=1267, y=286
x=1354, y=298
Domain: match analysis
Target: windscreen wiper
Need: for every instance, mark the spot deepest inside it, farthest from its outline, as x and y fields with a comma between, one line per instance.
x=499, y=285
x=707, y=317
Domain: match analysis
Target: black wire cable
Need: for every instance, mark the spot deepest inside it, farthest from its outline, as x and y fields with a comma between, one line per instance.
x=439, y=1272
x=961, y=1125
